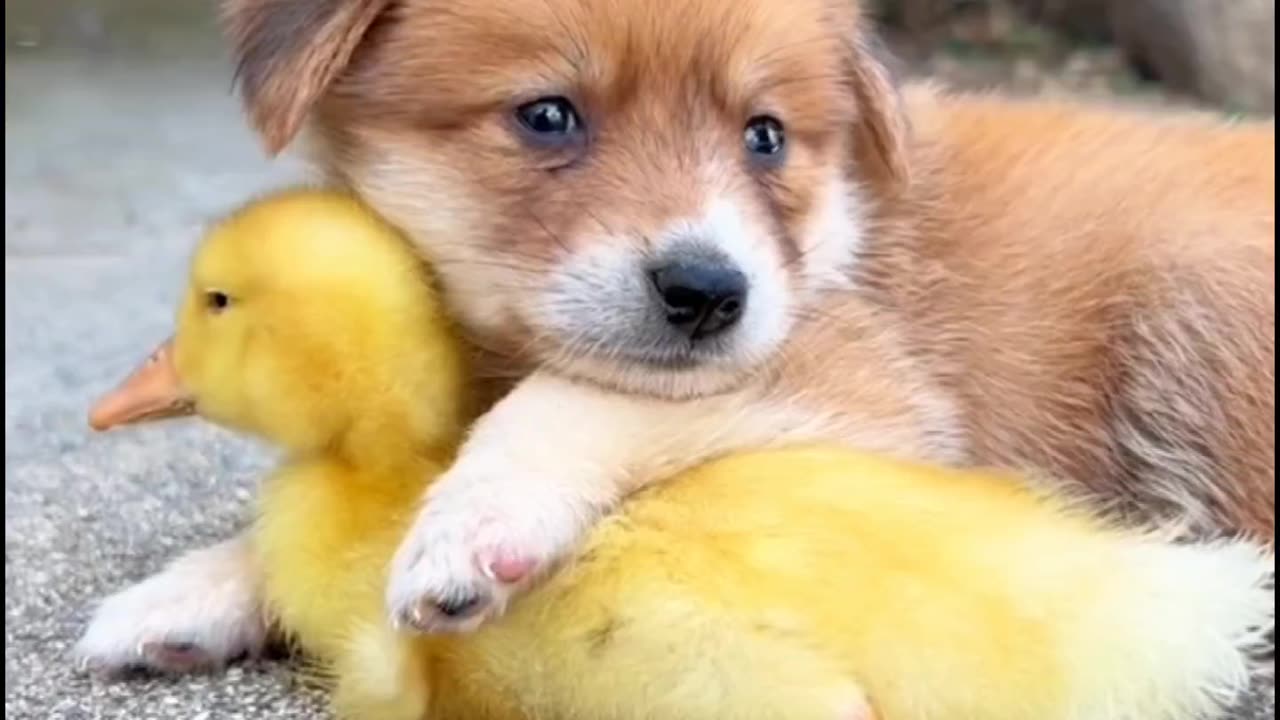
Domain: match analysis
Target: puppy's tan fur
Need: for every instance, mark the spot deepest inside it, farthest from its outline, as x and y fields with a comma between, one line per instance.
x=1086, y=292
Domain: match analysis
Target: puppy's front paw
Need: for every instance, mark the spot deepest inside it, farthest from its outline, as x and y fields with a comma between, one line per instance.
x=196, y=615
x=475, y=544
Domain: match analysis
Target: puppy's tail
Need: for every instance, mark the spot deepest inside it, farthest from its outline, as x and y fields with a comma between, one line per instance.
x=1179, y=630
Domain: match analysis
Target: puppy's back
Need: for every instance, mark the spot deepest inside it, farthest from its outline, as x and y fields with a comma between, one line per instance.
x=1098, y=289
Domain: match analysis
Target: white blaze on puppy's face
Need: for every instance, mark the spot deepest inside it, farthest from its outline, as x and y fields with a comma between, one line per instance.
x=605, y=301
x=640, y=195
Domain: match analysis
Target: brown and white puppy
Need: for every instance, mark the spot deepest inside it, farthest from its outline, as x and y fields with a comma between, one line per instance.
x=698, y=225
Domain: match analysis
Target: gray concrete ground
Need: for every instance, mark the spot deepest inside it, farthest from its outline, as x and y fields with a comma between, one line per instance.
x=113, y=162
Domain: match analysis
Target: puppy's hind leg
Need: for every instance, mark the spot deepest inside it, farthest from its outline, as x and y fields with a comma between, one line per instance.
x=202, y=611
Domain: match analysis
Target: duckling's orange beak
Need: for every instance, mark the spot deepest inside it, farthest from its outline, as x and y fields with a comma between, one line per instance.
x=151, y=392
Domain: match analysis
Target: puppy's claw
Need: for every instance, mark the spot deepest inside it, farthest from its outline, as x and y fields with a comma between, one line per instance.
x=456, y=613
x=459, y=606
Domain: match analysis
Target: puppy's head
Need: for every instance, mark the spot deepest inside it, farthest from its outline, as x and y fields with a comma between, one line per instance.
x=642, y=194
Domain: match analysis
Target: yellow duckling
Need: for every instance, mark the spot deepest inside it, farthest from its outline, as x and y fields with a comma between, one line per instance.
x=802, y=583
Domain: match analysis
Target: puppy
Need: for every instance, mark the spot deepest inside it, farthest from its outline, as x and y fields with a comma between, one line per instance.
x=718, y=224
x=684, y=228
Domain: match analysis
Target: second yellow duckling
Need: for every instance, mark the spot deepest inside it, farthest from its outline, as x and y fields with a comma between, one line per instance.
x=803, y=583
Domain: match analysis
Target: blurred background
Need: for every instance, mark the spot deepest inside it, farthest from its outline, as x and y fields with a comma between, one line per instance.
x=1219, y=52
x=123, y=138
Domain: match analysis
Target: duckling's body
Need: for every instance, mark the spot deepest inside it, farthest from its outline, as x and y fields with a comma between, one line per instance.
x=774, y=584
x=778, y=584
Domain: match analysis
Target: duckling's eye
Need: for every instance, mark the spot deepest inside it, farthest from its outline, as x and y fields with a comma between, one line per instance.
x=217, y=301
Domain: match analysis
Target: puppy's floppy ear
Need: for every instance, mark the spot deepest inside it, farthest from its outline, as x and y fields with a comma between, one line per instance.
x=287, y=52
x=881, y=130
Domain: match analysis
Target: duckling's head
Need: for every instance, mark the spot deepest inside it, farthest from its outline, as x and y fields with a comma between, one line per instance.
x=309, y=321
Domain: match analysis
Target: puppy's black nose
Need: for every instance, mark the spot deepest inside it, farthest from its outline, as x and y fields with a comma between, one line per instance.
x=701, y=299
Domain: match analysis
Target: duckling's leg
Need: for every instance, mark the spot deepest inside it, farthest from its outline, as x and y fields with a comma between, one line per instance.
x=380, y=675
x=202, y=611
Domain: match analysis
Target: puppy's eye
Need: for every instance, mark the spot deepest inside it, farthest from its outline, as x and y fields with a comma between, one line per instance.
x=765, y=138
x=552, y=120
x=217, y=301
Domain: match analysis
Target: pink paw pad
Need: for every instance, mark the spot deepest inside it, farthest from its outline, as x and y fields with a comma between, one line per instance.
x=509, y=568
x=173, y=656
